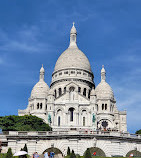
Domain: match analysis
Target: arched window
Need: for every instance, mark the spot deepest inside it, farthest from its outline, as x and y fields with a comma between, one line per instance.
x=64, y=89
x=71, y=110
x=71, y=93
x=32, y=106
x=84, y=92
x=60, y=91
x=89, y=94
x=59, y=120
x=105, y=106
x=97, y=107
x=79, y=89
x=83, y=121
x=40, y=105
x=37, y=105
x=102, y=106
x=46, y=106
x=55, y=94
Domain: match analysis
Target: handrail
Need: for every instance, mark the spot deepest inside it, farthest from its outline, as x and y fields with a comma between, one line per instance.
x=82, y=132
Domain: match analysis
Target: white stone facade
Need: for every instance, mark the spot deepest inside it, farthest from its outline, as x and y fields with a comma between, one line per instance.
x=73, y=101
x=110, y=143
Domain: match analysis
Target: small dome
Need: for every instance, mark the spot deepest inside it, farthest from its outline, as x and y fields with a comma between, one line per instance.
x=73, y=58
x=104, y=91
x=40, y=90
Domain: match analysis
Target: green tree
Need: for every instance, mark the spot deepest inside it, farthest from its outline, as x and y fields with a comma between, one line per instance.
x=72, y=155
x=25, y=148
x=68, y=151
x=138, y=132
x=23, y=123
x=9, y=153
x=87, y=154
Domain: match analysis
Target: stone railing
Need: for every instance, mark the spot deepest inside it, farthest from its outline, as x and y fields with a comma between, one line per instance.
x=59, y=133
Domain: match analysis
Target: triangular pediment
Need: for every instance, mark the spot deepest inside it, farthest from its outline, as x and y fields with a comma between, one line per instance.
x=77, y=97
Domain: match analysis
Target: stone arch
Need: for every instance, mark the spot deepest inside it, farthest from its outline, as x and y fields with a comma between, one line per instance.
x=53, y=149
x=41, y=105
x=55, y=93
x=84, y=108
x=49, y=145
x=84, y=116
x=71, y=93
x=135, y=153
x=59, y=113
x=59, y=91
x=84, y=91
x=37, y=105
x=59, y=108
x=110, y=124
x=72, y=85
x=71, y=112
x=97, y=151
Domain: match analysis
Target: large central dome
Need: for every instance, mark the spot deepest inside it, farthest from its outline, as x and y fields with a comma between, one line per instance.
x=73, y=57
x=72, y=65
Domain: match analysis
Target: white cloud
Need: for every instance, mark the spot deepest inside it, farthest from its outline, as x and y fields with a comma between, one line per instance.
x=25, y=40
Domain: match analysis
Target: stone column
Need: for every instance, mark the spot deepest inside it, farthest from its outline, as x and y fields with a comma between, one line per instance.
x=32, y=147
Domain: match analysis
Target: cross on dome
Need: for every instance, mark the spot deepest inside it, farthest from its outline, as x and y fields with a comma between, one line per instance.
x=73, y=24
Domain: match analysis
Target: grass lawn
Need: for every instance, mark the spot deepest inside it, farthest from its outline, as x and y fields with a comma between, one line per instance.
x=100, y=157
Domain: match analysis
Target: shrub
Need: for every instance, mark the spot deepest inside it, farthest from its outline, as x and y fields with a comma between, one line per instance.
x=25, y=148
x=68, y=151
x=72, y=155
x=9, y=153
x=87, y=154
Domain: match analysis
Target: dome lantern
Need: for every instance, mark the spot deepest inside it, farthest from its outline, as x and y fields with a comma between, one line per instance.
x=42, y=72
x=73, y=35
x=103, y=74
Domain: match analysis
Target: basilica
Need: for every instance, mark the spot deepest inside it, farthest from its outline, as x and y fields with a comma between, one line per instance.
x=73, y=101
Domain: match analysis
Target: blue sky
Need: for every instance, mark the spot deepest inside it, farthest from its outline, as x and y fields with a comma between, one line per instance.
x=36, y=32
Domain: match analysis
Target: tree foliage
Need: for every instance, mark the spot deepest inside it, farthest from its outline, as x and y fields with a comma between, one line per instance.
x=68, y=151
x=9, y=153
x=72, y=155
x=87, y=154
x=25, y=148
x=138, y=132
x=23, y=123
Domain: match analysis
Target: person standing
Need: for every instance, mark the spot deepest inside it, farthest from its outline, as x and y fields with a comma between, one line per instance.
x=35, y=155
x=46, y=155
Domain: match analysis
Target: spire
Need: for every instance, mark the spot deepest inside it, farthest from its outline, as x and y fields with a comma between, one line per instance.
x=103, y=74
x=42, y=72
x=73, y=35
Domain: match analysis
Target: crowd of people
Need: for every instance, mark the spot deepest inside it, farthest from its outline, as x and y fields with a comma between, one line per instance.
x=46, y=155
